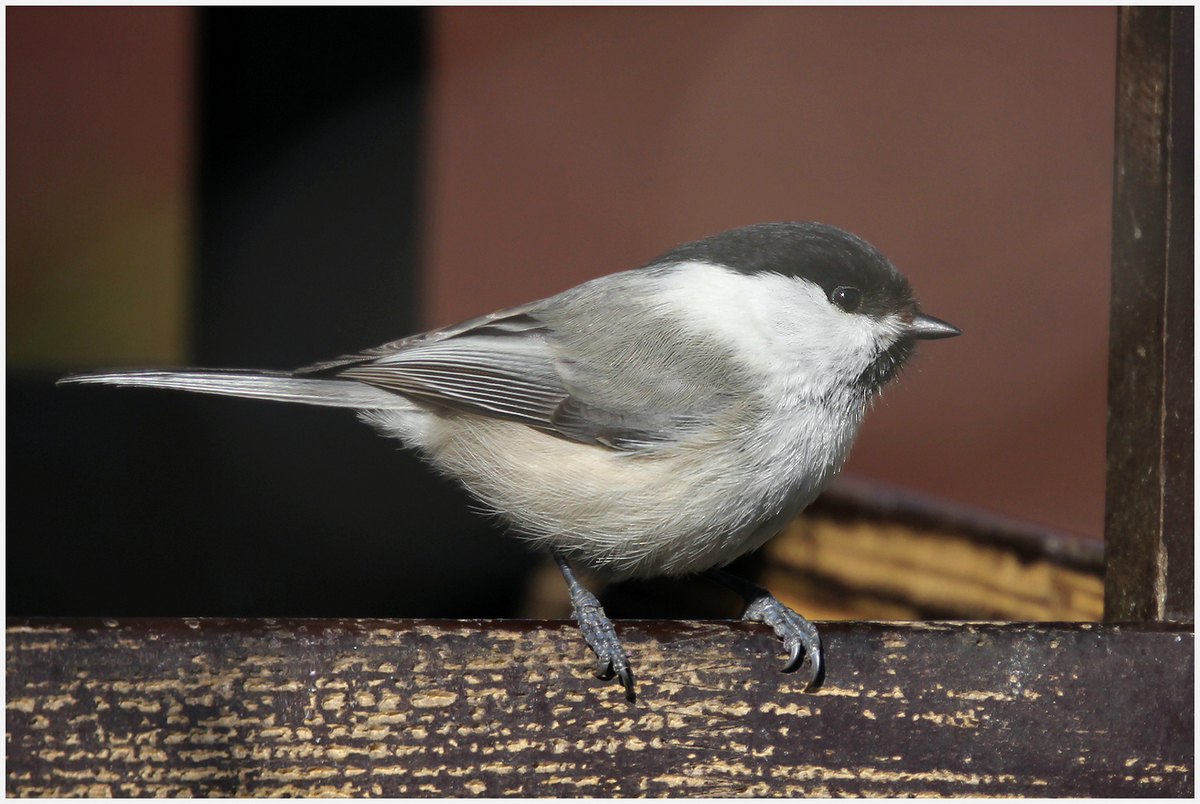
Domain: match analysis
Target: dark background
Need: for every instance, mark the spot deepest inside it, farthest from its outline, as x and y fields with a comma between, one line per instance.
x=272, y=187
x=245, y=509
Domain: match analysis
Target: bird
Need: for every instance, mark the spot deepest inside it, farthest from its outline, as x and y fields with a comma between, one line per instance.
x=658, y=421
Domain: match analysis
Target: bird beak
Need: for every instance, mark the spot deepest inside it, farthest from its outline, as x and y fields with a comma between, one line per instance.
x=927, y=328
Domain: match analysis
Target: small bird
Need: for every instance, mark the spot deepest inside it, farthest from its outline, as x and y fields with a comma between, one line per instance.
x=657, y=421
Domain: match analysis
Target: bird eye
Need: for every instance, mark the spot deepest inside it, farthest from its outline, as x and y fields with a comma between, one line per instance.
x=847, y=298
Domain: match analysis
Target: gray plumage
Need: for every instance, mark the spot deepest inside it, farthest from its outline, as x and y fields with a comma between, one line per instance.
x=613, y=422
x=663, y=420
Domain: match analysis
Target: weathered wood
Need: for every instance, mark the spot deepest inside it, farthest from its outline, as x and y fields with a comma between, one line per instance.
x=866, y=551
x=413, y=708
x=1149, y=519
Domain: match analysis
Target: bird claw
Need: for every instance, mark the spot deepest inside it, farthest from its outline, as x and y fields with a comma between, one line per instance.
x=794, y=657
x=799, y=636
x=624, y=675
x=611, y=659
x=598, y=633
x=610, y=666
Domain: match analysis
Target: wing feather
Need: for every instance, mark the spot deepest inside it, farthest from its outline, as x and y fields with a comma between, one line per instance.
x=561, y=367
x=506, y=375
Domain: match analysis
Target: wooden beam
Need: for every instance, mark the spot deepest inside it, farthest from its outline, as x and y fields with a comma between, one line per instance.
x=415, y=708
x=865, y=551
x=1149, y=518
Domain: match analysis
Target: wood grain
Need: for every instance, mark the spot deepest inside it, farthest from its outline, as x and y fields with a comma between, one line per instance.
x=499, y=708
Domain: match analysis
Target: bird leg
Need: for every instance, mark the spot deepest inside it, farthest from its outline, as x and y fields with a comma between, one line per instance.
x=798, y=634
x=597, y=631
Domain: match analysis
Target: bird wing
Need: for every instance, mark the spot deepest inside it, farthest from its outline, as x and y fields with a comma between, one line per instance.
x=497, y=365
x=626, y=384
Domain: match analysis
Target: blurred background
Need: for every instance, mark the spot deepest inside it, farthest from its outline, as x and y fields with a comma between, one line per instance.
x=272, y=187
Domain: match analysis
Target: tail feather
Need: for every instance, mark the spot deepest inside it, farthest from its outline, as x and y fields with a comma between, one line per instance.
x=279, y=386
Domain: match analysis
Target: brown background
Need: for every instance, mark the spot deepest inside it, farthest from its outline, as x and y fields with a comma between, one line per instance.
x=972, y=146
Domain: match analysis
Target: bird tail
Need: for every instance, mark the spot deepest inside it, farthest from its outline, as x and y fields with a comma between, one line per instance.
x=278, y=386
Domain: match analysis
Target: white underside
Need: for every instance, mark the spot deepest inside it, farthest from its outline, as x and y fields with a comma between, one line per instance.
x=673, y=511
x=725, y=485
x=695, y=504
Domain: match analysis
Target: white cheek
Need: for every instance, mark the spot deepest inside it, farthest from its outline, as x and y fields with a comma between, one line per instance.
x=785, y=326
x=809, y=330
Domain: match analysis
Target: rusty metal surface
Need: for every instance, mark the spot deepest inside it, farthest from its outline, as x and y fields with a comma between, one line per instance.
x=425, y=708
x=1149, y=499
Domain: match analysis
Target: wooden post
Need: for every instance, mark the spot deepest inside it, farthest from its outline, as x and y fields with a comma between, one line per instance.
x=1149, y=519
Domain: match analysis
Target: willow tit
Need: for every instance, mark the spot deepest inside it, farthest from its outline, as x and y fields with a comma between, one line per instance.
x=658, y=421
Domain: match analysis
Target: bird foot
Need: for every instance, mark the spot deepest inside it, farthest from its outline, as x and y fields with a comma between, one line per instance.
x=799, y=636
x=597, y=630
x=598, y=633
